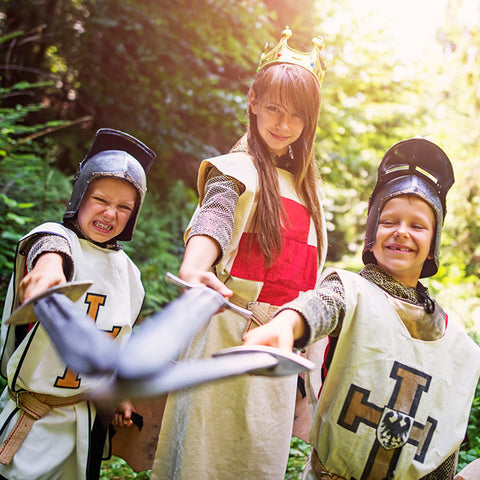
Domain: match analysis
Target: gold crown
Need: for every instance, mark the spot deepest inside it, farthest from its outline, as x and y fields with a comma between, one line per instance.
x=282, y=53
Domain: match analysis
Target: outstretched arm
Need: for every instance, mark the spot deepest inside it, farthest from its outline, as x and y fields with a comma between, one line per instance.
x=201, y=253
x=280, y=332
x=47, y=272
x=313, y=315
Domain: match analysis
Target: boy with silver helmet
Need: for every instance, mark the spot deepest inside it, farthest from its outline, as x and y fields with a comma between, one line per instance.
x=113, y=154
x=396, y=399
x=64, y=439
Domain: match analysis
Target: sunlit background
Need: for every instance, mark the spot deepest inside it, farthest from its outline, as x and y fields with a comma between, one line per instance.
x=429, y=50
x=176, y=75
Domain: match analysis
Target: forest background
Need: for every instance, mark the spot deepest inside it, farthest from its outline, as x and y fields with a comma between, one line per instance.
x=176, y=75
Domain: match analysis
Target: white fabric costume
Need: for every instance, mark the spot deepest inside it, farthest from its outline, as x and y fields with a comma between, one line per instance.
x=241, y=428
x=392, y=405
x=113, y=301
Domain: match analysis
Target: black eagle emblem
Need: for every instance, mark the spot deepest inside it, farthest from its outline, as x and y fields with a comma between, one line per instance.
x=394, y=429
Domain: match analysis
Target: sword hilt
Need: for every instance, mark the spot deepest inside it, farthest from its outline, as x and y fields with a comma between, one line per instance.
x=231, y=306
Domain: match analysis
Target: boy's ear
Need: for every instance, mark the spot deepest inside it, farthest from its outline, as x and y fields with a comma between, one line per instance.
x=252, y=101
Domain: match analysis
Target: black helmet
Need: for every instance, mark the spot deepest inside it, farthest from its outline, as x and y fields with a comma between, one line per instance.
x=417, y=167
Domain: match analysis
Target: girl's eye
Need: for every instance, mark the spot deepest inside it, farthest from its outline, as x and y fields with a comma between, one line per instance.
x=126, y=208
x=273, y=108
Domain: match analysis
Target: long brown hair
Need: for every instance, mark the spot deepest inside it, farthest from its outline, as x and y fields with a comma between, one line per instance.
x=297, y=89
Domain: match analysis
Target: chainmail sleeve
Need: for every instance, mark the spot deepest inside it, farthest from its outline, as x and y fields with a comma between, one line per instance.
x=323, y=310
x=215, y=217
x=49, y=243
x=446, y=471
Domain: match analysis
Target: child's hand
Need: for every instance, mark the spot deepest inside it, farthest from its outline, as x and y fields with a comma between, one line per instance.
x=200, y=255
x=280, y=332
x=470, y=472
x=208, y=279
x=123, y=414
x=48, y=272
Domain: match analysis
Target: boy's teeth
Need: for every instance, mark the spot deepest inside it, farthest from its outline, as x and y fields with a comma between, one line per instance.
x=102, y=226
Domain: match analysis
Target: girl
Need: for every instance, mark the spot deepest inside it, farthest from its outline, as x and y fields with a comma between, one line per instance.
x=258, y=237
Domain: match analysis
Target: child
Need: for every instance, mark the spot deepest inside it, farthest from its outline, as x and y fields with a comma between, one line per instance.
x=395, y=402
x=259, y=237
x=64, y=438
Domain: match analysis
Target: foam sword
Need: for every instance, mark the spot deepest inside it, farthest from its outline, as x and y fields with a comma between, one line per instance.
x=146, y=366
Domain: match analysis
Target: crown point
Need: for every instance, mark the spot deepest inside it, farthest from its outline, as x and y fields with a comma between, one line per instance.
x=287, y=33
x=318, y=42
x=283, y=53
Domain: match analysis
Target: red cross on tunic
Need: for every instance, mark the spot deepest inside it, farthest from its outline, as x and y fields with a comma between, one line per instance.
x=296, y=267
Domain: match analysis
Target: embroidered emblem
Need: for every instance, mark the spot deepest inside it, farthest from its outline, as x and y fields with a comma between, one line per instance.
x=394, y=429
x=410, y=386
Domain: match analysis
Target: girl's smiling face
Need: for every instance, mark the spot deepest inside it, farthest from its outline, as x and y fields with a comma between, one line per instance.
x=404, y=237
x=106, y=208
x=278, y=125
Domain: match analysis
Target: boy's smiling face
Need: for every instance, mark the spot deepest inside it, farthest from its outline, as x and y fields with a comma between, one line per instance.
x=106, y=208
x=404, y=237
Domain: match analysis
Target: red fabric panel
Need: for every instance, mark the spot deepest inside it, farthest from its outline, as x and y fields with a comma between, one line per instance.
x=296, y=268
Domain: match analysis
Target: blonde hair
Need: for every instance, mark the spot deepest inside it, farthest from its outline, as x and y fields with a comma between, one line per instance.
x=297, y=89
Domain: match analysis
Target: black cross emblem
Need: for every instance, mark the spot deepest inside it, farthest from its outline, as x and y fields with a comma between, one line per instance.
x=409, y=388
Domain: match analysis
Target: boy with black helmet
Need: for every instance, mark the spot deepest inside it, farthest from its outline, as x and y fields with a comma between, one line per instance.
x=418, y=167
x=396, y=400
x=64, y=438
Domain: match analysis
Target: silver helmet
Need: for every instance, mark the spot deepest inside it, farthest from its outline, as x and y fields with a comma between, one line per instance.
x=113, y=154
x=417, y=167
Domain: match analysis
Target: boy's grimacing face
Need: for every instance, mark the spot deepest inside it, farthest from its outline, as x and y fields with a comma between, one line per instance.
x=106, y=208
x=404, y=237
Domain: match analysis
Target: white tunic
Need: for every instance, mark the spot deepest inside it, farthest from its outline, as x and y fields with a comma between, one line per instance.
x=392, y=403
x=240, y=428
x=57, y=446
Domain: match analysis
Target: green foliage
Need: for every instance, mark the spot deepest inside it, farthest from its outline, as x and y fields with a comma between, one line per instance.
x=299, y=453
x=170, y=73
x=366, y=108
x=30, y=190
x=157, y=247
x=470, y=449
x=117, y=469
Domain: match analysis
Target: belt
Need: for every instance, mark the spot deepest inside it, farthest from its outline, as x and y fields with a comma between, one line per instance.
x=319, y=469
x=33, y=406
x=262, y=312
